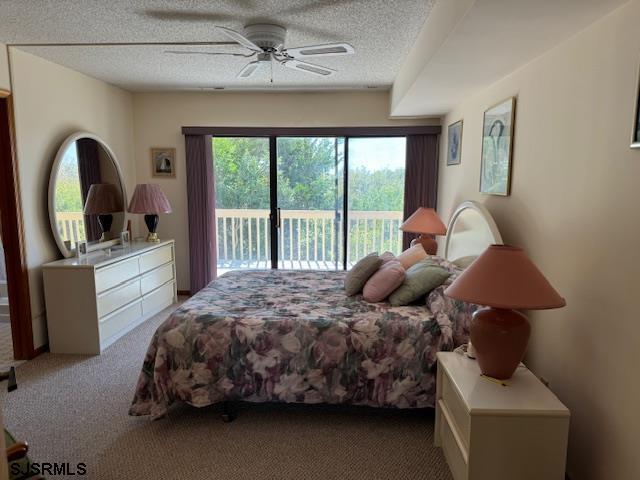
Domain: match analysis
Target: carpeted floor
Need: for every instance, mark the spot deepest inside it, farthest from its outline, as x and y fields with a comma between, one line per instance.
x=74, y=409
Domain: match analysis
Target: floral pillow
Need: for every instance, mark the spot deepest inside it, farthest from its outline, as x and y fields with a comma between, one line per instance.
x=449, y=311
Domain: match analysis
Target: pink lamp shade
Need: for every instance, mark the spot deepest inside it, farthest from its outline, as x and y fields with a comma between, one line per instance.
x=504, y=277
x=424, y=220
x=148, y=198
x=103, y=198
x=505, y=280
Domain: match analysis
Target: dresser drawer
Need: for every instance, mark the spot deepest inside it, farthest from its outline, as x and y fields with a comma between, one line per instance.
x=112, y=300
x=155, y=258
x=457, y=409
x=152, y=280
x=454, y=451
x=116, y=273
x=158, y=299
x=119, y=320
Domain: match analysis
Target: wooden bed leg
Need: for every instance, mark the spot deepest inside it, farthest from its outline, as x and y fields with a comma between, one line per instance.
x=228, y=412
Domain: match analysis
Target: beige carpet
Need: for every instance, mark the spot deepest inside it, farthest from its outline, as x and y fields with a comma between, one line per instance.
x=74, y=409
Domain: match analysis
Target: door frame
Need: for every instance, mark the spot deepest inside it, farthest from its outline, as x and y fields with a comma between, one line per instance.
x=13, y=236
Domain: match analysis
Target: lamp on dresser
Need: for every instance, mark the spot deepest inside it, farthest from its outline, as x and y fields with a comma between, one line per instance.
x=427, y=223
x=149, y=200
x=504, y=280
x=103, y=199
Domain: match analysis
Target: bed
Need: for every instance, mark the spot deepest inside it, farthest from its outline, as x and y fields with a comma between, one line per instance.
x=295, y=337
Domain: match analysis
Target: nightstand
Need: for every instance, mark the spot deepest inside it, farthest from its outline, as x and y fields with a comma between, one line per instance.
x=490, y=431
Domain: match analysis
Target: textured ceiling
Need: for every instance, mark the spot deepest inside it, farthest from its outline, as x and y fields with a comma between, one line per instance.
x=382, y=32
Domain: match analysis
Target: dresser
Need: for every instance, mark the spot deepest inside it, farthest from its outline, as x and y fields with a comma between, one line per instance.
x=94, y=300
x=493, y=432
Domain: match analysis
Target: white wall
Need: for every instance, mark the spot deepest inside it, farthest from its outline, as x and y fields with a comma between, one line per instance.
x=159, y=118
x=574, y=209
x=4, y=68
x=51, y=102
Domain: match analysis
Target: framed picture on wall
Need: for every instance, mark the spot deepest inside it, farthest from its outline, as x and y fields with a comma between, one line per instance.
x=497, y=148
x=635, y=133
x=454, y=143
x=163, y=162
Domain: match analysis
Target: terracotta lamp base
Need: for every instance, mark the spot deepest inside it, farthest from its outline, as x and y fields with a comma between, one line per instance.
x=428, y=243
x=500, y=340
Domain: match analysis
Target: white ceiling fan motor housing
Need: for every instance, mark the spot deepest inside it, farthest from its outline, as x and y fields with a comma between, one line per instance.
x=266, y=36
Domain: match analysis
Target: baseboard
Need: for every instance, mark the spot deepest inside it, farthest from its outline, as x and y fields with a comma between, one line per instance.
x=184, y=293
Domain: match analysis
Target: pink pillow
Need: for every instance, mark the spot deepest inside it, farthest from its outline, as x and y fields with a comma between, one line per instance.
x=382, y=284
x=412, y=255
x=387, y=257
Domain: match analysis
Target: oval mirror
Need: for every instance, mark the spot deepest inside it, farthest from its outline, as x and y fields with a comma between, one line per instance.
x=87, y=198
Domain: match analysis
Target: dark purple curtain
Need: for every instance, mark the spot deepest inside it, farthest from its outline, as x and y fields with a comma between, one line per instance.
x=89, y=171
x=421, y=177
x=201, y=197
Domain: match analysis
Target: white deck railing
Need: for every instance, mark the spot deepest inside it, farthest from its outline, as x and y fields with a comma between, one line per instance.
x=71, y=226
x=305, y=236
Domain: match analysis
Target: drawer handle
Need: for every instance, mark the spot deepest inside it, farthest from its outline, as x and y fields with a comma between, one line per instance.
x=452, y=426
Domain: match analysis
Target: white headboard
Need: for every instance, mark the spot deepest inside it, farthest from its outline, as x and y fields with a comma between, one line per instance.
x=471, y=230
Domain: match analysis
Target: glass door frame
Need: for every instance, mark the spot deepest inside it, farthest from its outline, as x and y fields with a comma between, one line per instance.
x=342, y=132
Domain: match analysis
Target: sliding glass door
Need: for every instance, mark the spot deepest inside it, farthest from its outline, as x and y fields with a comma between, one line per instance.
x=375, y=195
x=309, y=202
x=242, y=183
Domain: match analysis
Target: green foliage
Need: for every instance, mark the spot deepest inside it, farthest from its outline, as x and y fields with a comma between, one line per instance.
x=68, y=190
x=241, y=172
x=307, y=176
x=68, y=196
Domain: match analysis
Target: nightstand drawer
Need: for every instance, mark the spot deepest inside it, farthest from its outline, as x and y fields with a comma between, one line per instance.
x=460, y=415
x=454, y=451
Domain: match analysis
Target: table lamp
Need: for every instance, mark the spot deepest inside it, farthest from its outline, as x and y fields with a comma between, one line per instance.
x=103, y=199
x=150, y=200
x=427, y=223
x=504, y=279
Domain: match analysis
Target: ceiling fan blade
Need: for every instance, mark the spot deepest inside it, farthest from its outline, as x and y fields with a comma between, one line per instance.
x=241, y=39
x=308, y=68
x=328, y=50
x=249, y=69
x=127, y=44
x=189, y=16
x=182, y=52
x=316, y=5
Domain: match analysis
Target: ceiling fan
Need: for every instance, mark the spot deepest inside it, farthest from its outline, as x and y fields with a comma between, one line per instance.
x=265, y=42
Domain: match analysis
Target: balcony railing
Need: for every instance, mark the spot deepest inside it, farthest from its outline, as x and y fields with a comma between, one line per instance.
x=307, y=238
x=71, y=226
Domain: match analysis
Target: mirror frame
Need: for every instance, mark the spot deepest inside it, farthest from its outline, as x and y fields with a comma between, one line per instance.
x=52, y=187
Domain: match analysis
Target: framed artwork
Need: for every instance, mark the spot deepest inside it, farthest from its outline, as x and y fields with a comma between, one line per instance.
x=635, y=133
x=497, y=148
x=454, y=143
x=163, y=162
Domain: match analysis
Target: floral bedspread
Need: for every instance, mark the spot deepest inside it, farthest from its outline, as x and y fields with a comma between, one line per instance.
x=294, y=336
